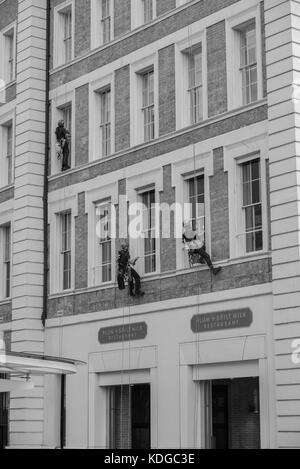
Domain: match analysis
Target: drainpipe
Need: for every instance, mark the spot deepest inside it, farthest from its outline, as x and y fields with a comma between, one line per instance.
x=45, y=196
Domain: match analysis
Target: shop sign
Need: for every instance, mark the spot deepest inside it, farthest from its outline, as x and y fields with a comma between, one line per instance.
x=222, y=320
x=123, y=333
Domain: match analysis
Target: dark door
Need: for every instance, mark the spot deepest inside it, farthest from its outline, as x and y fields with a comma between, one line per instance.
x=220, y=416
x=4, y=409
x=140, y=416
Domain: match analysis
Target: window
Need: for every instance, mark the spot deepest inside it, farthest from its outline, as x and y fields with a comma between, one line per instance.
x=103, y=269
x=142, y=11
x=148, y=105
x=149, y=231
x=4, y=418
x=65, y=249
x=129, y=416
x=252, y=206
x=63, y=35
x=67, y=18
x=244, y=53
x=248, y=66
x=105, y=21
x=196, y=199
x=6, y=177
x=5, y=238
x=105, y=122
x=195, y=89
x=65, y=114
x=147, y=10
x=8, y=54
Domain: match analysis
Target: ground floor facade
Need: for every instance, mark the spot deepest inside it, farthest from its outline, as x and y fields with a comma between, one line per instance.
x=192, y=373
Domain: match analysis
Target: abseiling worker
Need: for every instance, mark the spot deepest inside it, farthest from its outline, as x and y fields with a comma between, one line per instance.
x=125, y=268
x=196, y=245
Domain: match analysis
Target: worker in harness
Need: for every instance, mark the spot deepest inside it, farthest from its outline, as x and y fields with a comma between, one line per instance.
x=196, y=247
x=125, y=269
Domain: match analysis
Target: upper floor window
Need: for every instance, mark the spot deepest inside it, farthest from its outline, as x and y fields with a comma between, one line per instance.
x=65, y=250
x=142, y=11
x=148, y=105
x=64, y=147
x=195, y=84
x=8, y=54
x=105, y=122
x=6, y=176
x=63, y=35
x=67, y=35
x=149, y=230
x=196, y=200
x=244, y=58
x=103, y=268
x=252, y=205
x=105, y=21
x=248, y=67
x=5, y=244
x=147, y=10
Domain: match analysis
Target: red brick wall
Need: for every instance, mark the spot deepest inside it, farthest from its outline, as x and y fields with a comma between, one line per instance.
x=216, y=69
x=81, y=244
x=122, y=109
x=81, y=147
x=219, y=211
x=162, y=6
x=82, y=27
x=168, y=246
x=166, y=83
x=8, y=12
x=122, y=17
x=148, y=35
x=157, y=148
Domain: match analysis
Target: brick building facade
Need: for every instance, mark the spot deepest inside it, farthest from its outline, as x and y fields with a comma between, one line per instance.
x=159, y=97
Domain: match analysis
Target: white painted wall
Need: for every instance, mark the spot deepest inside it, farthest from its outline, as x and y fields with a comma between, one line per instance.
x=283, y=53
x=166, y=354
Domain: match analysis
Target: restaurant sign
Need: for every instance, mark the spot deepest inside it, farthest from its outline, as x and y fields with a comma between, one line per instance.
x=123, y=333
x=222, y=320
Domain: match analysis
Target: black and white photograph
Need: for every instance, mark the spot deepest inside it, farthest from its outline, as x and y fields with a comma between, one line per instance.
x=149, y=227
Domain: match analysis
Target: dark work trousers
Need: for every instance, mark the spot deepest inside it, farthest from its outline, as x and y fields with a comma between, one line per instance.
x=202, y=253
x=134, y=281
x=66, y=154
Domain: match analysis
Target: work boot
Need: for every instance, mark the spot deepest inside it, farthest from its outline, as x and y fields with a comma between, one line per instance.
x=216, y=270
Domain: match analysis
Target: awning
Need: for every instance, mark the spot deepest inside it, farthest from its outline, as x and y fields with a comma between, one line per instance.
x=18, y=367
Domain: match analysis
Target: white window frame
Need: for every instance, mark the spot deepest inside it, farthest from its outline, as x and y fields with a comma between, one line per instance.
x=146, y=180
x=182, y=51
x=57, y=104
x=3, y=277
x=59, y=50
x=141, y=193
x=98, y=275
x=4, y=54
x=190, y=166
x=63, y=250
x=234, y=156
x=96, y=30
x=233, y=56
x=5, y=119
x=137, y=13
x=97, y=87
x=56, y=208
x=102, y=193
x=136, y=102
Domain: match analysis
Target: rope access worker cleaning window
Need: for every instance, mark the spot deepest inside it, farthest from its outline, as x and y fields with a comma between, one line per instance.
x=63, y=139
x=196, y=248
x=125, y=269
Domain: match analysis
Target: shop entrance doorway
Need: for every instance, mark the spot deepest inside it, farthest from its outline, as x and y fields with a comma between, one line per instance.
x=130, y=416
x=233, y=416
